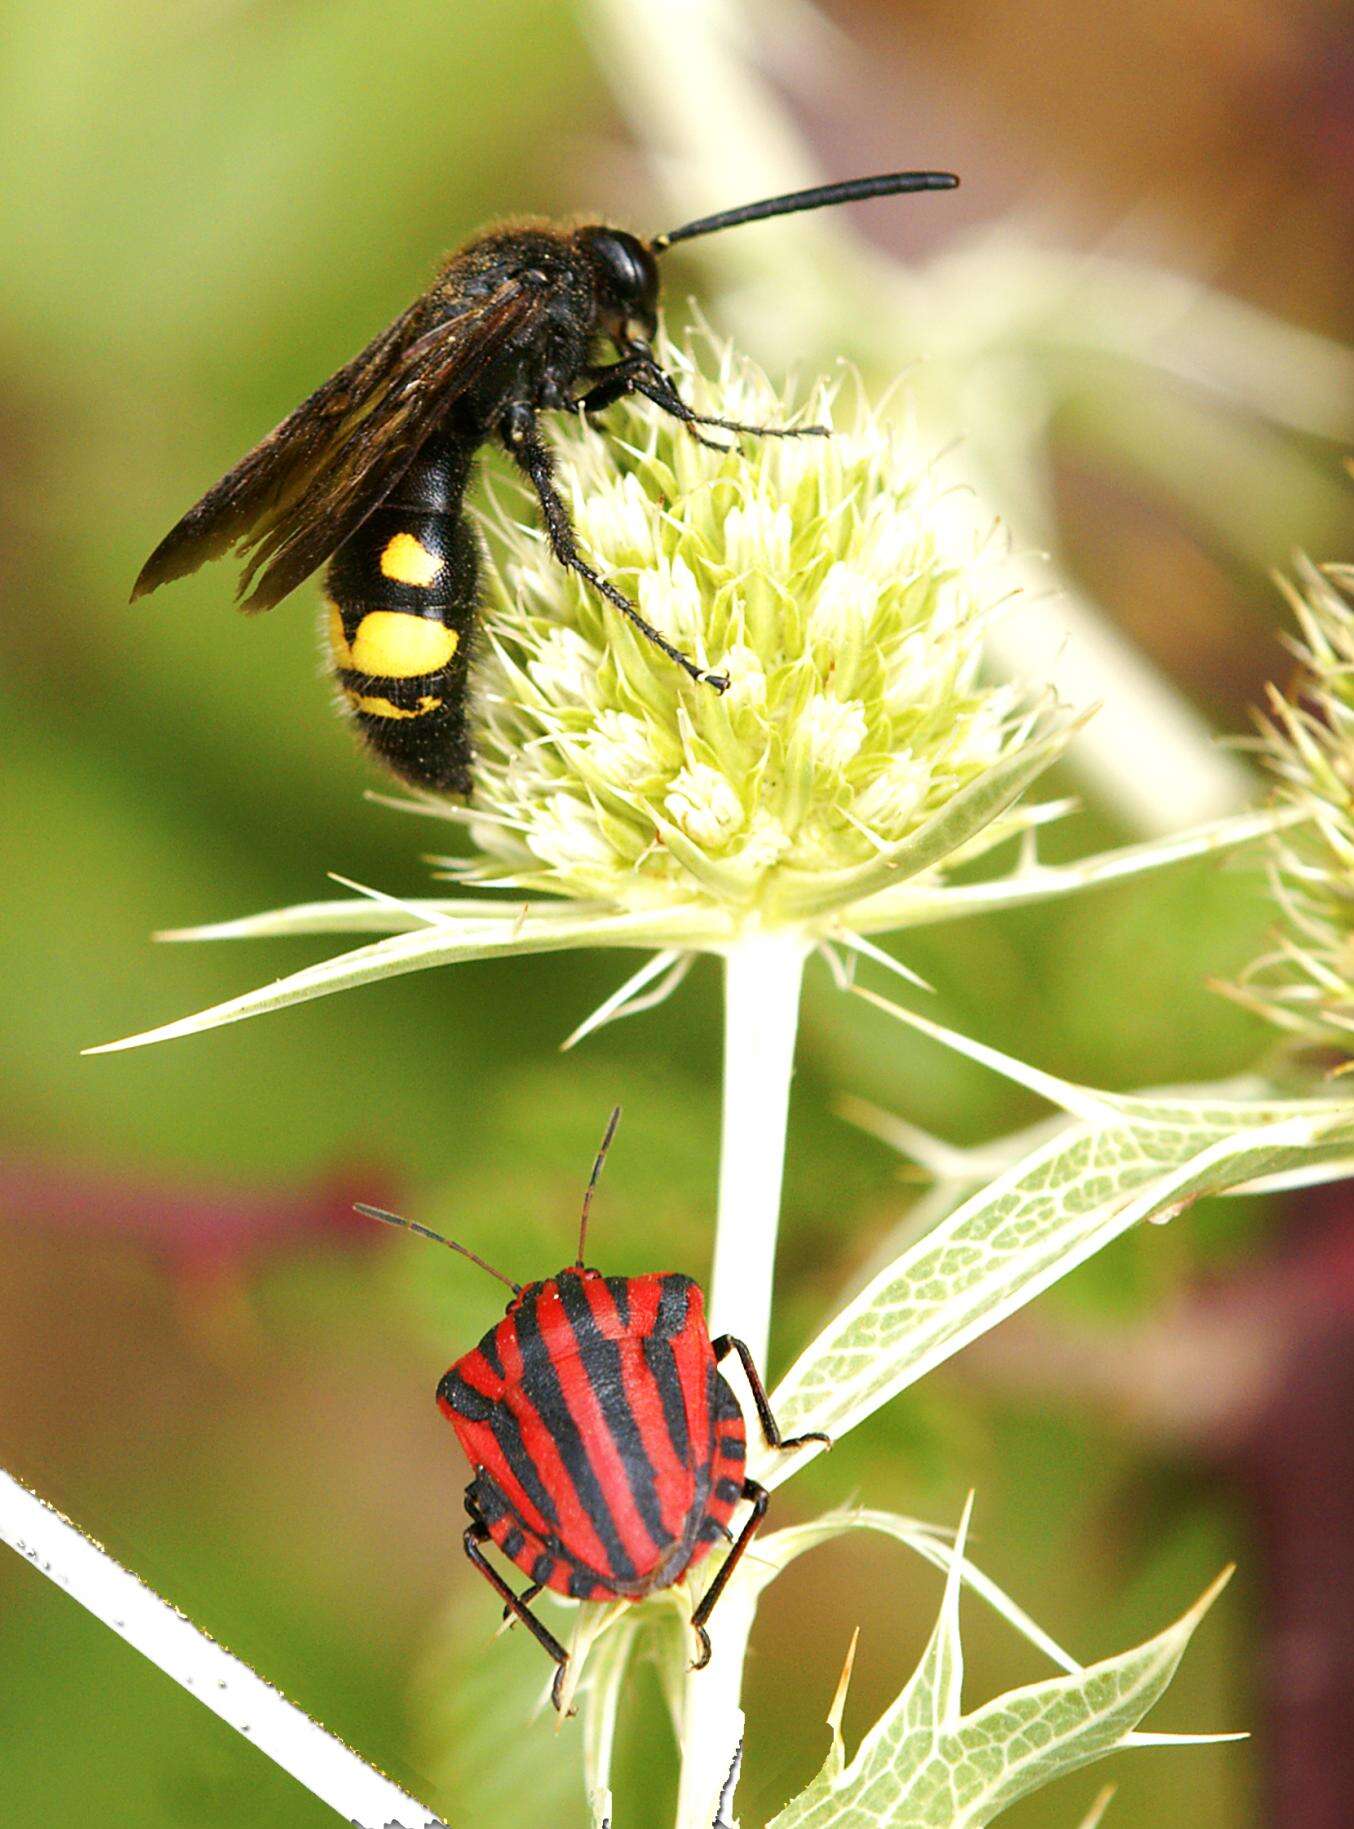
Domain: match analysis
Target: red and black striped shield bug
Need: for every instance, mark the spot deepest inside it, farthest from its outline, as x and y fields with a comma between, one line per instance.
x=607, y=1448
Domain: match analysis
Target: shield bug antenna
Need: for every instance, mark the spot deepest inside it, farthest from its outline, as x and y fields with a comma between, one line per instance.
x=819, y=197
x=412, y=1225
x=593, y=1179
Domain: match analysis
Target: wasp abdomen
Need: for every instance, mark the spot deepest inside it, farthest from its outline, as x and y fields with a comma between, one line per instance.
x=401, y=598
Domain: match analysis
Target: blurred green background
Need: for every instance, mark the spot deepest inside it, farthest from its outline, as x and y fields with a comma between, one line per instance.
x=203, y=1358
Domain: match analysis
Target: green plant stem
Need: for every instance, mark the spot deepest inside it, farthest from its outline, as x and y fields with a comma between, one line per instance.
x=763, y=975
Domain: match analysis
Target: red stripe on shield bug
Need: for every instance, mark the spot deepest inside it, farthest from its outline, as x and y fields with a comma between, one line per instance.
x=607, y=1448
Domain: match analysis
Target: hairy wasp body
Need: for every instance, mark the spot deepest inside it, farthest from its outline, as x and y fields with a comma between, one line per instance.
x=370, y=473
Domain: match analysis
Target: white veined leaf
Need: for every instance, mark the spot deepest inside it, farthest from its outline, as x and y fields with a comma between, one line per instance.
x=482, y=1726
x=475, y=1698
x=1124, y=1160
x=835, y=1763
x=1235, y=1103
x=909, y=904
x=373, y=913
x=600, y=1704
x=423, y=932
x=593, y=1624
x=954, y=1171
x=771, y=1554
x=927, y=1765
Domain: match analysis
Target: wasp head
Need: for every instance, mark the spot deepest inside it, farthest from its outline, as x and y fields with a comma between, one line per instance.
x=627, y=283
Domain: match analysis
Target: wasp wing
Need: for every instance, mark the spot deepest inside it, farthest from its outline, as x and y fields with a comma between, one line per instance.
x=315, y=478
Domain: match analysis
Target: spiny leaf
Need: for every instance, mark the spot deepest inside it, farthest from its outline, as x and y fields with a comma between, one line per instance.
x=607, y=1668
x=443, y=942
x=472, y=1699
x=1095, y=1815
x=773, y=1553
x=1125, y=1160
x=925, y=1765
x=369, y=914
x=915, y=904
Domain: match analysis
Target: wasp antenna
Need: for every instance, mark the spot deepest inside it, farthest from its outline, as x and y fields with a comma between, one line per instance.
x=821, y=196
x=412, y=1225
x=611, y=1124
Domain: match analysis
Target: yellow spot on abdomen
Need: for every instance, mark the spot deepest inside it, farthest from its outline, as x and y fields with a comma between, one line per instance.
x=408, y=561
x=384, y=708
x=391, y=645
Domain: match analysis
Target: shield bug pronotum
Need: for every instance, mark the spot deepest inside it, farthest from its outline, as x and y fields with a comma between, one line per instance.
x=607, y=1448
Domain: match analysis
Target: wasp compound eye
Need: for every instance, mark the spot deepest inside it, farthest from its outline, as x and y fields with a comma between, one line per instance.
x=628, y=265
x=629, y=274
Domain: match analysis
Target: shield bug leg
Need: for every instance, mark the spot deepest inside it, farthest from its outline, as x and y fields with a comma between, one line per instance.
x=700, y=1618
x=729, y=1343
x=525, y=447
x=527, y=1595
x=476, y=1533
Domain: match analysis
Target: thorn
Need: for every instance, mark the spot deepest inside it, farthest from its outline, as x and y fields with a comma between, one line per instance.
x=834, y=1714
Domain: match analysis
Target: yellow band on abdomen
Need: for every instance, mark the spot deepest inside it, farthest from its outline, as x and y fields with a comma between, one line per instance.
x=384, y=708
x=388, y=644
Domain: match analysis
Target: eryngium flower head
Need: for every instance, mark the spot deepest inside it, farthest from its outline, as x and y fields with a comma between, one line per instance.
x=855, y=757
x=839, y=584
x=1306, y=983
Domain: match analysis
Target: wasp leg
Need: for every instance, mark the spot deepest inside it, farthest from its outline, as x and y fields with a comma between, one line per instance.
x=655, y=385
x=612, y=381
x=728, y=1343
x=700, y=1618
x=525, y=447
x=476, y=1533
x=638, y=373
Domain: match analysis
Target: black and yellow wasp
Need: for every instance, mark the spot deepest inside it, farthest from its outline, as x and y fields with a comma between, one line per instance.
x=370, y=473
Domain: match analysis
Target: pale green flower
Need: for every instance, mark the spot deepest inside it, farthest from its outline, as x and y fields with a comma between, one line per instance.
x=839, y=582
x=1306, y=983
